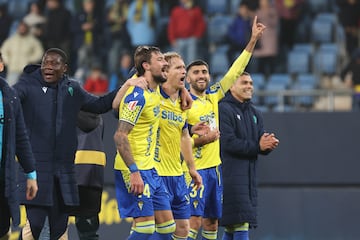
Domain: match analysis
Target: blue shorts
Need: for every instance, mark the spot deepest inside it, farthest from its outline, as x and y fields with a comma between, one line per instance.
x=155, y=196
x=179, y=196
x=207, y=201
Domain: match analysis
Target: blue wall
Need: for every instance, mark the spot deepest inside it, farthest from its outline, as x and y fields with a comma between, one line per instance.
x=309, y=187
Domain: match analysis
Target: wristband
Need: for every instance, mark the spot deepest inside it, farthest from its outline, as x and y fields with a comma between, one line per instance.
x=31, y=175
x=133, y=168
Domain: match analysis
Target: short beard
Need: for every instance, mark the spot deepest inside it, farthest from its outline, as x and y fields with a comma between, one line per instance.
x=200, y=90
x=159, y=79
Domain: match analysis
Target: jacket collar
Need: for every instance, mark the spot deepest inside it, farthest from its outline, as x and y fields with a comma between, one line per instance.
x=230, y=98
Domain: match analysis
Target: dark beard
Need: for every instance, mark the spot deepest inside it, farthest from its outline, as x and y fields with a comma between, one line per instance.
x=200, y=90
x=159, y=79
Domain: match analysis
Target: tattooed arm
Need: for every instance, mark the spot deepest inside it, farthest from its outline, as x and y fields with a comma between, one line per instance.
x=124, y=149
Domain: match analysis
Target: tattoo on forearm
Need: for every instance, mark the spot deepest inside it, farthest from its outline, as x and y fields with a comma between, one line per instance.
x=122, y=142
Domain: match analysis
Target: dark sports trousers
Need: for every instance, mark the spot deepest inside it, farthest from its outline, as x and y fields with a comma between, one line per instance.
x=57, y=214
x=4, y=207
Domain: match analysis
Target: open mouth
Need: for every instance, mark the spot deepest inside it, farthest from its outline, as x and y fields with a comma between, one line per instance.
x=48, y=74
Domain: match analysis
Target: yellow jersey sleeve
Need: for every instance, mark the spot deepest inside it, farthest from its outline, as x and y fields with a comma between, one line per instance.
x=236, y=69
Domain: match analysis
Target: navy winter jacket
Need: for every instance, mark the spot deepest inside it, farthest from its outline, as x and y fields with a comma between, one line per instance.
x=15, y=141
x=50, y=114
x=241, y=127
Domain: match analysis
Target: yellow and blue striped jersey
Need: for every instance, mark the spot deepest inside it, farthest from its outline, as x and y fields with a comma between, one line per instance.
x=172, y=122
x=206, y=109
x=140, y=108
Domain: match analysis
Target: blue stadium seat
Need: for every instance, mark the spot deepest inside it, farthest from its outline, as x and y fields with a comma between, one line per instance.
x=219, y=63
x=331, y=47
x=304, y=47
x=282, y=79
x=273, y=100
x=305, y=82
x=307, y=79
x=322, y=30
x=216, y=6
x=305, y=100
x=326, y=58
x=276, y=82
x=328, y=16
x=298, y=62
x=258, y=80
x=217, y=28
x=326, y=62
x=258, y=84
x=332, y=17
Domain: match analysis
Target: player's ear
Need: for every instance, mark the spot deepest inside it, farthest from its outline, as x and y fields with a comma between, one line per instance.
x=146, y=66
x=65, y=68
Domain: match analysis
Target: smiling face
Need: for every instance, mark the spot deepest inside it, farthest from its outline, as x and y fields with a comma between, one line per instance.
x=243, y=88
x=198, y=77
x=53, y=67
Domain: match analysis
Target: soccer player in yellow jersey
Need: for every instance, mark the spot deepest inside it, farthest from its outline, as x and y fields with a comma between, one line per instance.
x=140, y=191
x=173, y=139
x=206, y=201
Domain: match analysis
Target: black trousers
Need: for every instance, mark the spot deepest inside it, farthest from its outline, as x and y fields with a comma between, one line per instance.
x=87, y=227
x=86, y=215
x=4, y=208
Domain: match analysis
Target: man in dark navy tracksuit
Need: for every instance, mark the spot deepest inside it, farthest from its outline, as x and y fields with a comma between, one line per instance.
x=13, y=141
x=51, y=102
x=242, y=138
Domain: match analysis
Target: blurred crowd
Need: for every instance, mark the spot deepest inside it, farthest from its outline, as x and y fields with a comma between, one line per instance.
x=99, y=36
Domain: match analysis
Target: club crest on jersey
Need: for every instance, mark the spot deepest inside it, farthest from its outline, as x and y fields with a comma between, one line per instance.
x=140, y=204
x=132, y=105
x=195, y=203
x=44, y=89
